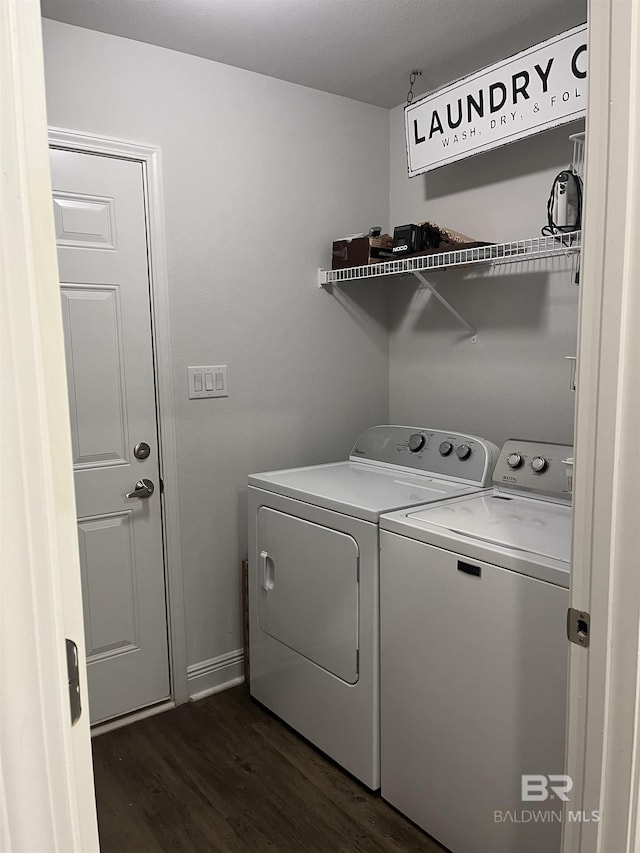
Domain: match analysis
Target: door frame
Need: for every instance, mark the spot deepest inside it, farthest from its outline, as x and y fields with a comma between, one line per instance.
x=46, y=776
x=150, y=158
x=603, y=743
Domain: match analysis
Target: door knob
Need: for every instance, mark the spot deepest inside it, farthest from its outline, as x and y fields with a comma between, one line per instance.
x=144, y=489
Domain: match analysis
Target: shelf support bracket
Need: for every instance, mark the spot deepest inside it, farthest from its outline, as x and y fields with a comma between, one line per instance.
x=450, y=308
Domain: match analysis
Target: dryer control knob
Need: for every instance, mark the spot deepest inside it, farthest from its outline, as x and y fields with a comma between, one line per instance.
x=463, y=451
x=514, y=460
x=416, y=442
x=445, y=448
x=539, y=464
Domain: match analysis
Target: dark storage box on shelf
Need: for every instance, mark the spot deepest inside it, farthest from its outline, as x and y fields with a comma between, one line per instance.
x=359, y=251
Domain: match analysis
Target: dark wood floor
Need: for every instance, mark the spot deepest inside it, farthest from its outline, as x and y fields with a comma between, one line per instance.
x=224, y=775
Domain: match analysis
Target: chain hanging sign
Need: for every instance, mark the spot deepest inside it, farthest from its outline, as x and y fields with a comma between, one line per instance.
x=542, y=87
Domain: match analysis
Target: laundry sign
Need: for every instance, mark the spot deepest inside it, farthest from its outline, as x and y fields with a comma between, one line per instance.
x=534, y=90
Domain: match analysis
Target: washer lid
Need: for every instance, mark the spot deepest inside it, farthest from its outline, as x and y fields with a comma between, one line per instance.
x=363, y=491
x=523, y=524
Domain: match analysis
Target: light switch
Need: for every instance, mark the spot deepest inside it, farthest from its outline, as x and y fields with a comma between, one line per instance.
x=207, y=381
x=220, y=382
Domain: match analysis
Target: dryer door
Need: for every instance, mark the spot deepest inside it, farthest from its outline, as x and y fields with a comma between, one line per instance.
x=308, y=596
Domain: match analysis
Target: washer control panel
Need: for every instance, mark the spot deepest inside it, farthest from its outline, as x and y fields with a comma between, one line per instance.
x=535, y=467
x=426, y=451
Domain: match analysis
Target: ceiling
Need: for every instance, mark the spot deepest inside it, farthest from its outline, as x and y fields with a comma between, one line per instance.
x=361, y=49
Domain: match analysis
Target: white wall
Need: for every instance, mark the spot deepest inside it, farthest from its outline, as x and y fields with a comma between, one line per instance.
x=259, y=176
x=514, y=381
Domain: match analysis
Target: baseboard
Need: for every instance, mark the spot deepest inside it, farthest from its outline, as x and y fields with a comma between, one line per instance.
x=127, y=719
x=215, y=675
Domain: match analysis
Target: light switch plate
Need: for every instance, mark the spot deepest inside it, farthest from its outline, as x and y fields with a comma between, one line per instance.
x=208, y=381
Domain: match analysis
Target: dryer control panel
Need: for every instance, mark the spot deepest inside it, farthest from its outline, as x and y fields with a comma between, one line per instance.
x=536, y=468
x=425, y=451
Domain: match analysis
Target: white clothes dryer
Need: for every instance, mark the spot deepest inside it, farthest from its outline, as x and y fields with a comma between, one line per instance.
x=474, y=597
x=314, y=579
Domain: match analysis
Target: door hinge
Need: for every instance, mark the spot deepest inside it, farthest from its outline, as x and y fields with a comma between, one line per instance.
x=578, y=627
x=73, y=671
x=161, y=486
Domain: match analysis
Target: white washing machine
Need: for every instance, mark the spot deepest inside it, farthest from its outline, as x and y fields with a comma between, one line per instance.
x=474, y=597
x=314, y=579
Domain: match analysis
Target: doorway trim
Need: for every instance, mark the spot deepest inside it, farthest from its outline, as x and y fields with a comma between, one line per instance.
x=603, y=748
x=150, y=157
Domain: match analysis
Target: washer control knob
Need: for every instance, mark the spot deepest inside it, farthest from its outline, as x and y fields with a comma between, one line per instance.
x=539, y=464
x=416, y=442
x=514, y=460
x=445, y=448
x=463, y=451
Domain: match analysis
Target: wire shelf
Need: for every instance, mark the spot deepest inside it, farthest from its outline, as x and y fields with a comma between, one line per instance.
x=495, y=253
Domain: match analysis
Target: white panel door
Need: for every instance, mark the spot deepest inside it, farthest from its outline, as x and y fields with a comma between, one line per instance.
x=102, y=250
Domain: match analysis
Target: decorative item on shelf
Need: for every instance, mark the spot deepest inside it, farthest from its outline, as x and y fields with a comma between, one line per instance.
x=564, y=206
x=427, y=238
x=357, y=250
x=450, y=240
x=410, y=239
